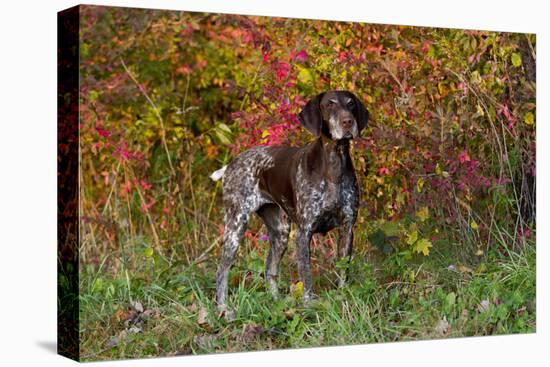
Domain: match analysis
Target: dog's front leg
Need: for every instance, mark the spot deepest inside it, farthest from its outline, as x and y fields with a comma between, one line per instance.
x=303, y=239
x=345, y=246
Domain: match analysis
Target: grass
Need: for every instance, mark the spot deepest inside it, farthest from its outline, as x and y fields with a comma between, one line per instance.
x=136, y=303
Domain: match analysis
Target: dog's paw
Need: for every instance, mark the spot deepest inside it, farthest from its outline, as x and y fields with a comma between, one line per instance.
x=342, y=283
x=310, y=298
x=226, y=313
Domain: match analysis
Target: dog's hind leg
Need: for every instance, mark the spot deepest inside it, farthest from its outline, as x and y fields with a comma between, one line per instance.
x=278, y=228
x=235, y=226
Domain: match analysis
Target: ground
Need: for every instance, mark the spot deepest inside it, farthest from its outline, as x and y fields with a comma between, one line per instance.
x=139, y=303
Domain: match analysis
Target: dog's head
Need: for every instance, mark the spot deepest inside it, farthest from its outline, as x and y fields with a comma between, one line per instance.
x=335, y=114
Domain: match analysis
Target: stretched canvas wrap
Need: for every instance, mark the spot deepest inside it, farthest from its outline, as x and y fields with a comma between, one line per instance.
x=442, y=219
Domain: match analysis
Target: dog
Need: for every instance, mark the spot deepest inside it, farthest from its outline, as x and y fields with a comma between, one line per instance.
x=314, y=186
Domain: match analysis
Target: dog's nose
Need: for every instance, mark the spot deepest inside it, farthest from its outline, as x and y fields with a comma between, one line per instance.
x=347, y=123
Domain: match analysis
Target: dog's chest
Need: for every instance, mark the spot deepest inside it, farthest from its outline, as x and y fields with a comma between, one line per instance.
x=326, y=205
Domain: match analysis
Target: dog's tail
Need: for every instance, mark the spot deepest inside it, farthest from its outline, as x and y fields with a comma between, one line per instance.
x=217, y=175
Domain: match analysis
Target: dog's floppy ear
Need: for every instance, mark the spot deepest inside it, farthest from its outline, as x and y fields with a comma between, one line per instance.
x=311, y=116
x=361, y=114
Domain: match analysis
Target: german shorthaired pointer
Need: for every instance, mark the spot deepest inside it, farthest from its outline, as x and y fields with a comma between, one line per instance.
x=313, y=186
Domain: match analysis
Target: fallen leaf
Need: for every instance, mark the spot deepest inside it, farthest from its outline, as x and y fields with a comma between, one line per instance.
x=228, y=315
x=251, y=332
x=121, y=315
x=521, y=310
x=112, y=342
x=483, y=306
x=289, y=313
x=443, y=328
x=192, y=308
x=135, y=329
x=205, y=341
x=137, y=306
x=203, y=314
x=116, y=339
x=464, y=269
x=154, y=313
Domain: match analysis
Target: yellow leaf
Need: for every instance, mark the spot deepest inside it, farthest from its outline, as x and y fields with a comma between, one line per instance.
x=304, y=76
x=265, y=134
x=516, y=60
x=179, y=132
x=441, y=88
x=297, y=290
x=529, y=118
x=423, y=213
x=419, y=184
x=148, y=252
x=480, y=111
x=463, y=204
x=412, y=237
x=474, y=225
x=423, y=245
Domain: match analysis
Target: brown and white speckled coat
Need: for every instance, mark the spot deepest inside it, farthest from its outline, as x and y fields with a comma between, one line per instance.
x=313, y=186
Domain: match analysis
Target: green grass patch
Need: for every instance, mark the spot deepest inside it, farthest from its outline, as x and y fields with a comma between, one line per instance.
x=163, y=308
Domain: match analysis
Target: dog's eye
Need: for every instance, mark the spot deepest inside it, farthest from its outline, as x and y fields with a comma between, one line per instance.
x=351, y=104
x=331, y=103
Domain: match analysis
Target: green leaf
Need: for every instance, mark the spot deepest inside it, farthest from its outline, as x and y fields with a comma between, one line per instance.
x=516, y=59
x=97, y=285
x=256, y=265
x=390, y=228
x=93, y=95
x=224, y=127
x=381, y=241
x=223, y=136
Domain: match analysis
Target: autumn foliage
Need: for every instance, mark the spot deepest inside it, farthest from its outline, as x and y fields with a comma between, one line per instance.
x=168, y=97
